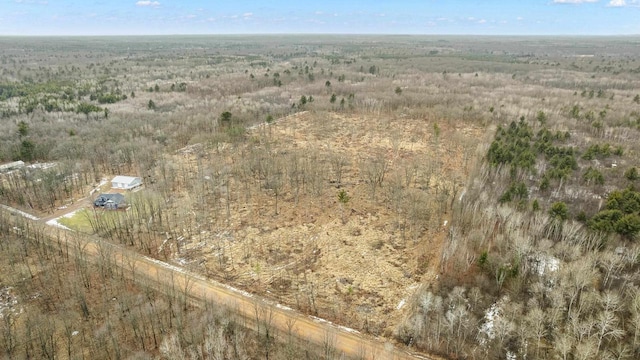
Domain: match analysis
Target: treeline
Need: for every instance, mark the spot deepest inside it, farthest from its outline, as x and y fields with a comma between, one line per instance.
x=537, y=165
x=530, y=271
x=43, y=188
x=528, y=285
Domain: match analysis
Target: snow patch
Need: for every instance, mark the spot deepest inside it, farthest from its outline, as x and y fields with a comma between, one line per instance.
x=55, y=223
x=41, y=166
x=491, y=317
x=162, y=245
x=19, y=212
x=546, y=263
x=401, y=304
x=182, y=261
x=343, y=328
x=283, y=307
x=8, y=302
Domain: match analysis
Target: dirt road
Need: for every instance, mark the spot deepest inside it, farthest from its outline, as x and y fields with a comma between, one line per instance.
x=255, y=310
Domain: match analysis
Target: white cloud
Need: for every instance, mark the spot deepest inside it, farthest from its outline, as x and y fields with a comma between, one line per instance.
x=624, y=3
x=519, y=18
x=482, y=21
x=247, y=14
x=148, y=3
x=573, y=1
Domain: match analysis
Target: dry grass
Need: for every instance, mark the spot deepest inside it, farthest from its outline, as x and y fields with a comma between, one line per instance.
x=355, y=263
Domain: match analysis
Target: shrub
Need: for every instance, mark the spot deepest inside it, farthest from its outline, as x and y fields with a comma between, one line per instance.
x=482, y=260
x=535, y=206
x=619, y=151
x=225, y=118
x=544, y=183
x=622, y=214
x=582, y=216
x=604, y=220
x=516, y=191
x=627, y=201
x=592, y=175
x=559, y=211
x=628, y=225
x=600, y=151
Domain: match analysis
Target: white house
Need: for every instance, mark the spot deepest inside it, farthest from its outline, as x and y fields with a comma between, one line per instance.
x=125, y=182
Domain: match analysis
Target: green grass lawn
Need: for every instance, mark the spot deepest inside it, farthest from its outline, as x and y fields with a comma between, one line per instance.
x=79, y=221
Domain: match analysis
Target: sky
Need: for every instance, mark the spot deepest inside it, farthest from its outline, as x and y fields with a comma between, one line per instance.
x=160, y=17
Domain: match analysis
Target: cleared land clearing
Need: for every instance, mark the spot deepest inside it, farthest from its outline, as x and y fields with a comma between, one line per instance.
x=355, y=262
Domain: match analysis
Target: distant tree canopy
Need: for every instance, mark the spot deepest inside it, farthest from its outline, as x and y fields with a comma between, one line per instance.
x=181, y=87
x=108, y=98
x=10, y=90
x=87, y=108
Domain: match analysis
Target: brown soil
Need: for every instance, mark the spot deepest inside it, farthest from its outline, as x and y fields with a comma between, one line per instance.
x=352, y=264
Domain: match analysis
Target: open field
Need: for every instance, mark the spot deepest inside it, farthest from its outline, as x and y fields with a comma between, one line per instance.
x=402, y=186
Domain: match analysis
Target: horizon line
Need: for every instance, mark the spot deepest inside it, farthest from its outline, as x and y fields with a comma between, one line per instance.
x=319, y=34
